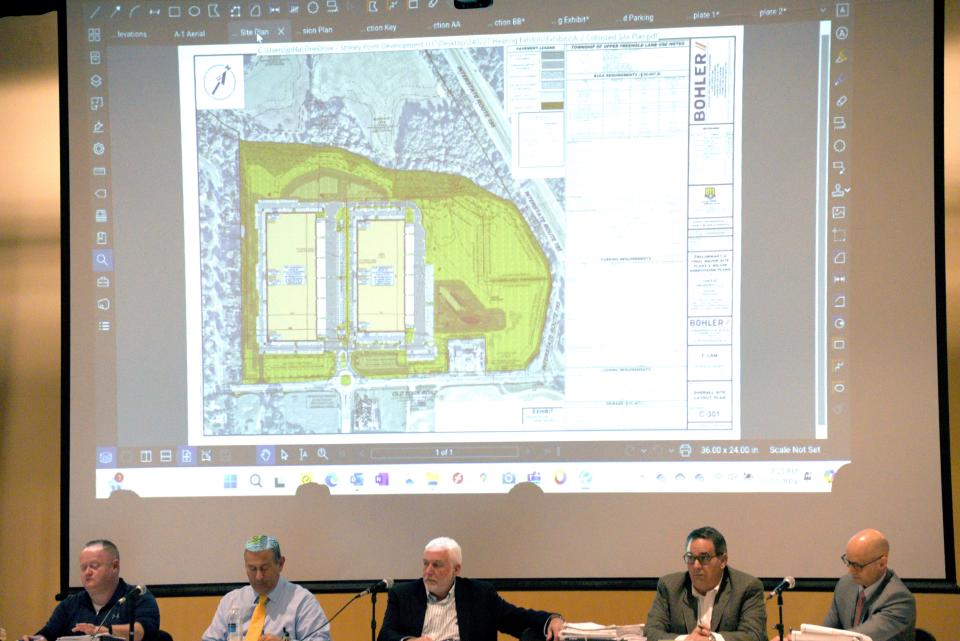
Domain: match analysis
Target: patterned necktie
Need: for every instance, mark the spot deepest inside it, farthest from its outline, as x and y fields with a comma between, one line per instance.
x=256, y=621
x=858, y=614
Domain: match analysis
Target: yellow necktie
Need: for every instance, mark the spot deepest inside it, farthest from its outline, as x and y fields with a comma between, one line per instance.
x=256, y=621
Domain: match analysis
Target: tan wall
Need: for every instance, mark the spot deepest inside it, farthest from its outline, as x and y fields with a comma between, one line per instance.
x=30, y=366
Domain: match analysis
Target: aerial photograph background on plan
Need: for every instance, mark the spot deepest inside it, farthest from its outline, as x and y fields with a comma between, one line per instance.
x=369, y=264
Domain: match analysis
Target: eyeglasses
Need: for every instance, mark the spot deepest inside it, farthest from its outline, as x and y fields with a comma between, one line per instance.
x=704, y=558
x=858, y=566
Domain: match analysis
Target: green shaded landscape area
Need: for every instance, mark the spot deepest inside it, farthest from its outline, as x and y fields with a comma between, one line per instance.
x=491, y=278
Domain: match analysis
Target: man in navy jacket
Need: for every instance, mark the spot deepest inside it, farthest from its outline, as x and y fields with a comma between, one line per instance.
x=97, y=609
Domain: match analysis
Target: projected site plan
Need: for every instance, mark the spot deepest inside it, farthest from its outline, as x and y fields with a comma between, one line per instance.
x=525, y=238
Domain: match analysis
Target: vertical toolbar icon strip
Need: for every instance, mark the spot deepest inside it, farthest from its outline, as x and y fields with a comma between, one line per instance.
x=99, y=182
x=842, y=165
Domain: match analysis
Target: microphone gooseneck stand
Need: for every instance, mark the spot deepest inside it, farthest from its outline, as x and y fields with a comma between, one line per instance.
x=373, y=615
x=780, y=612
x=372, y=591
x=337, y=613
x=132, y=609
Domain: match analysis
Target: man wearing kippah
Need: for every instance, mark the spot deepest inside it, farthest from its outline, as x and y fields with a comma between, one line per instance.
x=270, y=608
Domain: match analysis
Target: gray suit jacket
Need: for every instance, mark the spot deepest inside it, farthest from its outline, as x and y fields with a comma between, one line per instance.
x=738, y=613
x=891, y=612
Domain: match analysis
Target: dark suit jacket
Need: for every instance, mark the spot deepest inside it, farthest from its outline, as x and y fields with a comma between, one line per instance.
x=738, y=612
x=480, y=612
x=891, y=611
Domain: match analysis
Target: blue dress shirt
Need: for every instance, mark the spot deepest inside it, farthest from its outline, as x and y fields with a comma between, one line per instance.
x=291, y=610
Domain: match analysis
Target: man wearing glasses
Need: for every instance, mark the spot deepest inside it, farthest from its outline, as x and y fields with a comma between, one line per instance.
x=871, y=599
x=710, y=601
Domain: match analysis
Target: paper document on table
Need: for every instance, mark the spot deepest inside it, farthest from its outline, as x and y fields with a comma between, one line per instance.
x=812, y=632
x=589, y=631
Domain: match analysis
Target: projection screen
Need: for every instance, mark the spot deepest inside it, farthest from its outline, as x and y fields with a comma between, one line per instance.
x=561, y=280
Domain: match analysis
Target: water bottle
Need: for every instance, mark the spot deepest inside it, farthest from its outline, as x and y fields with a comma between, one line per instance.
x=233, y=624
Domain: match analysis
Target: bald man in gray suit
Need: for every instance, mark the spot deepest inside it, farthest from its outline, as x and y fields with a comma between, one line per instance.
x=888, y=611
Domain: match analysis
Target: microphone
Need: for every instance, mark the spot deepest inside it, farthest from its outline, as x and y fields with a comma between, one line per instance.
x=111, y=615
x=137, y=591
x=787, y=584
x=382, y=584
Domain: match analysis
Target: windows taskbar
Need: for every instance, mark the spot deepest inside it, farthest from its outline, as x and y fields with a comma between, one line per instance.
x=472, y=478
